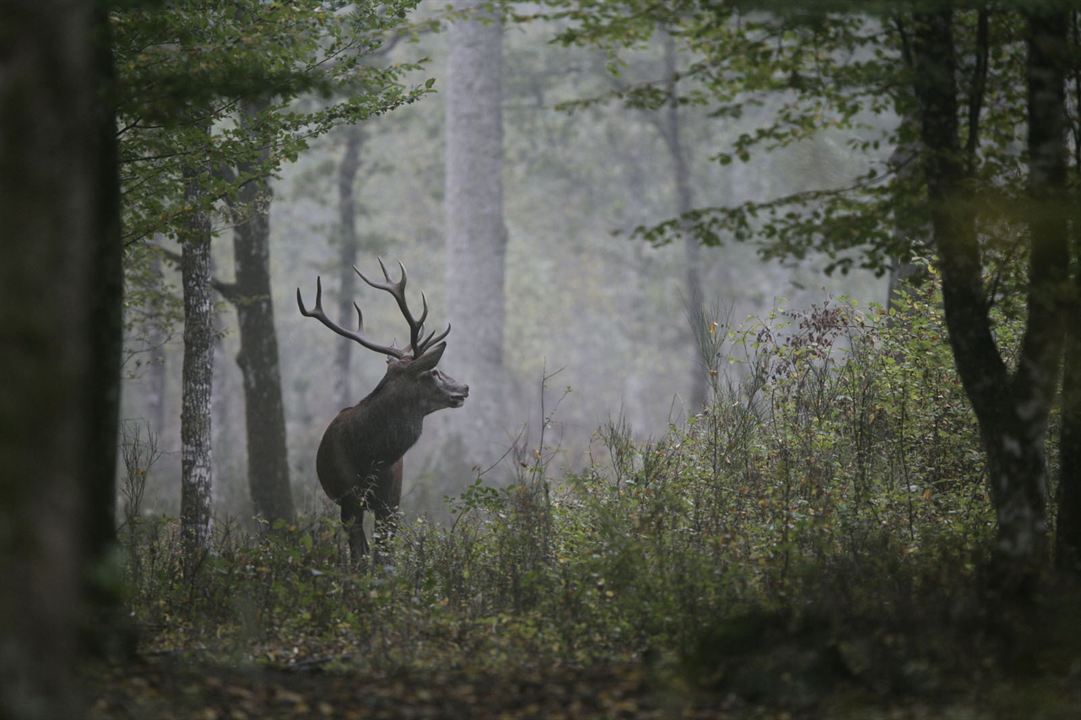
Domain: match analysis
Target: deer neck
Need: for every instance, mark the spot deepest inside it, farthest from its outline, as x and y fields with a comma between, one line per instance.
x=397, y=417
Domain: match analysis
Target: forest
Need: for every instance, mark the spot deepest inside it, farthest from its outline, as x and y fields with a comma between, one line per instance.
x=561, y=359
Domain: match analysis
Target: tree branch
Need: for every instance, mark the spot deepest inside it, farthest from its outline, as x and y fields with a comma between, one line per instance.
x=228, y=291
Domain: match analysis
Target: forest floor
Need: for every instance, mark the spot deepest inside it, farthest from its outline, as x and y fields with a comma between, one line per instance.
x=168, y=686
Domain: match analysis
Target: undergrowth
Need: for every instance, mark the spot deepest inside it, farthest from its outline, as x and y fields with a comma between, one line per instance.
x=824, y=521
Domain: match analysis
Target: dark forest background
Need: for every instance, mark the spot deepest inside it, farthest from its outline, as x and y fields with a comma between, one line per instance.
x=768, y=313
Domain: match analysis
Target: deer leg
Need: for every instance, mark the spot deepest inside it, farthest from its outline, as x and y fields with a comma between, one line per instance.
x=353, y=520
x=385, y=504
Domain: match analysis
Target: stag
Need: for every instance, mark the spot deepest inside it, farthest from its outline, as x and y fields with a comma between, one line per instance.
x=359, y=462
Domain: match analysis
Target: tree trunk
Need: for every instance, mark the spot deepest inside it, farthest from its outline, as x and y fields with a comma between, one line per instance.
x=904, y=272
x=476, y=235
x=227, y=452
x=347, y=257
x=264, y=411
x=156, y=375
x=59, y=320
x=681, y=175
x=198, y=372
x=1011, y=410
x=107, y=320
x=1068, y=528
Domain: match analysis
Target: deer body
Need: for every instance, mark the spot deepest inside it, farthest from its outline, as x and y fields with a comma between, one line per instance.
x=359, y=461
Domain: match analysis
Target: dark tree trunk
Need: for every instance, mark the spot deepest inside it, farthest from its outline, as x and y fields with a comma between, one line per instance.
x=347, y=257
x=227, y=451
x=692, y=251
x=105, y=627
x=264, y=411
x=107, y=309
x=476, y=235
x=1012, y=410
x=60, y=298
x=198, y=372
x=1068, y=531
x=1068, y=528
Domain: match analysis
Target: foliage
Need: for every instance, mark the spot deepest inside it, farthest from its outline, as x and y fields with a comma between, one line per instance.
x=825, y=522
x=828, y=67
x=231, y=92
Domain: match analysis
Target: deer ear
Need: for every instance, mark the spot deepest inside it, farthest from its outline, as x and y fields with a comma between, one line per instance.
x=429, y=359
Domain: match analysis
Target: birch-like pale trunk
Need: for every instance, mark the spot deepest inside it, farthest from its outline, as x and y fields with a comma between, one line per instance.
x=476, y=235
x=198, y=373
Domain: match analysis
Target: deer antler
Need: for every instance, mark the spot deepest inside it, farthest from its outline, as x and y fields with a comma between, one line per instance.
x=416, y=326
x=318, y=314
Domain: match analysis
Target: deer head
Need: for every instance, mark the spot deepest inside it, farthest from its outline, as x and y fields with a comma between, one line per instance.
x=411, y=371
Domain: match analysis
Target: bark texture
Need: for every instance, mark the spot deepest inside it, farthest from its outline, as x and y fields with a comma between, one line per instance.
x=198, y=373
x=264, y=411
x=1011, y=408
x=347, y=257
x=59, y=327
x=1068, y=528
x=476, y=235
x=1068, y=531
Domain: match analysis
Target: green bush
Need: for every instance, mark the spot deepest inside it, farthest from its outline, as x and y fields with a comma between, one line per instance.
x=828, y=509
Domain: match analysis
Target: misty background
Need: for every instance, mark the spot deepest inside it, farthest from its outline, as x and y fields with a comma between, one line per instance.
x=603, y=314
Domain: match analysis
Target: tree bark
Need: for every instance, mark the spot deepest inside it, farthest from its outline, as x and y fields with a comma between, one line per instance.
x=264, y=410
x=198, y=372
x=1068, y=526
x=347, y=257
x=1011, y=409
x=60, y=300
x=1068, y=501
x=1068, y=530
x=476, y=235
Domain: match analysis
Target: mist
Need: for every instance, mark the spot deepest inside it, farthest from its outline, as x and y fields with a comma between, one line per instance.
x=604, y=316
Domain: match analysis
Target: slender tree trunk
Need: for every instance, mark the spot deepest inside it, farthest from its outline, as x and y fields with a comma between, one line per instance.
x=155, y=374
x=903, y=272
x=347, y=257
x=264, y=410
x=476, y=235
x=198, y=372
x=59, y=320
x=692, y=251
x=1011, y=409
x=223, y=432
